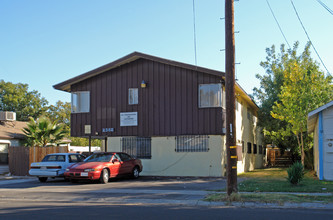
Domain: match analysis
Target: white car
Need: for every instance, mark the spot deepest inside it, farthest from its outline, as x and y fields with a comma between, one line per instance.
x=54, y=165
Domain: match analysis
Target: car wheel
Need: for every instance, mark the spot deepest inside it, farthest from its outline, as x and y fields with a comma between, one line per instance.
x=135, y=173
x=104, y=176
x=42, y=179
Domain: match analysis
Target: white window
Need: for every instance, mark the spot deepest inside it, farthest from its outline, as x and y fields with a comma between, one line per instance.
x=210, y=95
x=133, y=96
x=80, y=102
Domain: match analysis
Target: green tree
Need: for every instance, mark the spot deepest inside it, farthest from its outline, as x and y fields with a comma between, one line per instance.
x=43, y=132
x=17, y=98
x=304, y=89
x=61, y=113
x=276, y=131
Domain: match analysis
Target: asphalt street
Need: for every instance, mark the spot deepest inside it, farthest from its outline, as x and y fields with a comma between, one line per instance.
x=145, y=198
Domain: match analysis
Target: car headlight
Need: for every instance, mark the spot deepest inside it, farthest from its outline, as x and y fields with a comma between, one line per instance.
x=89, y=170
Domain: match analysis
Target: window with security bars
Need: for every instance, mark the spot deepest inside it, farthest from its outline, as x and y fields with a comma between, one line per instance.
x=192, y=143
x=138, y=147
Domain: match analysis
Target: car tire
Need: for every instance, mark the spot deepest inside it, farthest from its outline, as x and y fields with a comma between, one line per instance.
x=135, y=172
x=42, y=179
x=104, y=176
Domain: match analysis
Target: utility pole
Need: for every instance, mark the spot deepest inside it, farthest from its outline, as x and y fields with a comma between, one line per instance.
x=230, y=98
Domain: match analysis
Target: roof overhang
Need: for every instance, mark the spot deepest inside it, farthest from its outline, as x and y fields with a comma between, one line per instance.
x=313, y=116
x=66, y=85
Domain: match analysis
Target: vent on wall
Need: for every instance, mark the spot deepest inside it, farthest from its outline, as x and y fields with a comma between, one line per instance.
x=7, y=116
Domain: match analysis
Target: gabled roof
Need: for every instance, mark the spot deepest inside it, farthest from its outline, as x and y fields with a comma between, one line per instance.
x=313, y=116
x=66, y=85
x=12, y=129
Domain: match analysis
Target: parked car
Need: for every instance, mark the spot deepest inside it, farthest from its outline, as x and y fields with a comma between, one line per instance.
x=54, y=165
x=102, y=166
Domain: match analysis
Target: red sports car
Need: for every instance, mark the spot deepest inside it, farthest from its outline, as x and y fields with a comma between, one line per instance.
x=102, y=166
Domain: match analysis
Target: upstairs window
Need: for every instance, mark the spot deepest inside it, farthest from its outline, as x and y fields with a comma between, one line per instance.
x=254, y=148
x=80, y=102
x=133, y=96
x=210, y=95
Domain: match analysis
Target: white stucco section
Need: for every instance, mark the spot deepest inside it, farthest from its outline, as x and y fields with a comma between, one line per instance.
x=247, y=131
x=165, y=161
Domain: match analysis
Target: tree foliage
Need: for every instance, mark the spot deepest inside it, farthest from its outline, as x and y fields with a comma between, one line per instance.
x=17, y=98
x=61, y=113
x=304, y=89
x=276, y=131
x=292, y=87
x=43, y=132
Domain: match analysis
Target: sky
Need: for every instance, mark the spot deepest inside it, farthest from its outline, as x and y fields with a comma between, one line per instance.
x=43, y=43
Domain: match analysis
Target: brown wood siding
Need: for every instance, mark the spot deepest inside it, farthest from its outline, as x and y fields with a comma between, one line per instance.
x=167, y=107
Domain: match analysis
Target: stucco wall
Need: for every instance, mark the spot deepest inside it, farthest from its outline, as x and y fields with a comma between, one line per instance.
x=248, y=131
x=166, y=162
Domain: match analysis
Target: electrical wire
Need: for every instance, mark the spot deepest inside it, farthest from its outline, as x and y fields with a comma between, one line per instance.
x=195, y=38
x=326, y=7
x=278, y=23
x=309, y=37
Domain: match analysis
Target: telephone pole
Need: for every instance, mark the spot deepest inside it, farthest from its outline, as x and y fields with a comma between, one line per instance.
x=230, y=98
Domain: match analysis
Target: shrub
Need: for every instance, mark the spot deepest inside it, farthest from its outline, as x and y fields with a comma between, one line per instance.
x=295, y=173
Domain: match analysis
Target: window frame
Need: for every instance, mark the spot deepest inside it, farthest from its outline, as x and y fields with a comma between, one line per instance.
x=218, y=93
x=249, y=147
x=78, y=107
x=192, y=143
x=136, y=147
x=133, y=96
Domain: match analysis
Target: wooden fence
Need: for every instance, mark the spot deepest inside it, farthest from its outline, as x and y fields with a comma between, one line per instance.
x=20, y=158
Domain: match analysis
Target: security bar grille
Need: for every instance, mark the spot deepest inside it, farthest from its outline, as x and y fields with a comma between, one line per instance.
x=139, y=147
x=192, y=143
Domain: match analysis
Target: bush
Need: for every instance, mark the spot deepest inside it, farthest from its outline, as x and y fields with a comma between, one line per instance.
x=295, y=173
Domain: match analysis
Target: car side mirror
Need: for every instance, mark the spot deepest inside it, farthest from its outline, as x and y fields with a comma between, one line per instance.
x=115, y=160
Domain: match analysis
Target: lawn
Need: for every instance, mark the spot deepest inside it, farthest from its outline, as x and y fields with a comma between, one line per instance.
x=269, y=198
x=274, y=180
x=260, y=182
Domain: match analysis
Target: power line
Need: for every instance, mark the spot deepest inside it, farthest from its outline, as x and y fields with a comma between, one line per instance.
x=278, y=23
x=194, y=33
x=325, y=6
x=309, y=37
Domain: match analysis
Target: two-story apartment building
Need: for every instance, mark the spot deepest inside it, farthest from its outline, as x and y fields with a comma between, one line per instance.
x=169, y=114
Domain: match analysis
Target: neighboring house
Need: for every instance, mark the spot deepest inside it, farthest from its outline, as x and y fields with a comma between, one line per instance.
x=11, y=134
x=320, y=121
x=169, y=114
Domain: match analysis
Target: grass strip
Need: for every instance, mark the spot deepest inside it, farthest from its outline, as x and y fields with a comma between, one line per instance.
x=268, y=198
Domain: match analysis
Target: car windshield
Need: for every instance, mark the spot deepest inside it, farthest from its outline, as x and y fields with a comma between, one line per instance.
x=54, y=158
x=99, y=158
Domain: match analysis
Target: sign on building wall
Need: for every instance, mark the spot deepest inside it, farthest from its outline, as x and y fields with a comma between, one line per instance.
x=128, y=119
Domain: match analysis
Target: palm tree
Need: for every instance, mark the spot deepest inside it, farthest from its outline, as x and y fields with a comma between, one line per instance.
x=43, y=132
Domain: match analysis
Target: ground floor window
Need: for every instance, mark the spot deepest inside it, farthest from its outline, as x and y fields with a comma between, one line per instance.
x=192, y=143
x=139, y=147
x=249, y=147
